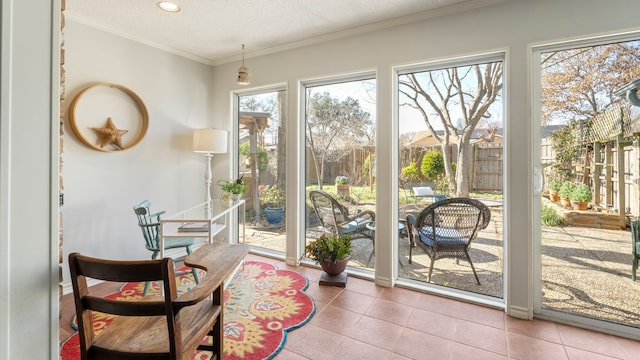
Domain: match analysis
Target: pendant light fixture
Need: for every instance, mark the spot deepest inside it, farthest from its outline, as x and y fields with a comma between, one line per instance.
x=243, y=72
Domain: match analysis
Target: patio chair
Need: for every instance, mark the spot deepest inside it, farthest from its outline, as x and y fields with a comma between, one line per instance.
x=635, y=247
x=335, y=218
x=445, y=229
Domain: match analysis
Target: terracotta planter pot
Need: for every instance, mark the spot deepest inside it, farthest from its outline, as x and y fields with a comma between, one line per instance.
x=334, y=268
x=553, y=195
x=580, y=205
x=565, y=202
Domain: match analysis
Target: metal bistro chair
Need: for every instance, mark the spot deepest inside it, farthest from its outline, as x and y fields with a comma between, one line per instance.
x=335, y=218
x=150, y=225
x=635, y=247
x=445, y=229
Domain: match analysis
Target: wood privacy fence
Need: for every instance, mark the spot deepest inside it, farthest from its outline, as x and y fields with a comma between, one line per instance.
x=608, y=159
x=486, y=172
x=351, y=165
x=604, y=161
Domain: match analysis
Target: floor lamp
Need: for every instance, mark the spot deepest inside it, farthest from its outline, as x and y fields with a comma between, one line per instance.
x=209, y=142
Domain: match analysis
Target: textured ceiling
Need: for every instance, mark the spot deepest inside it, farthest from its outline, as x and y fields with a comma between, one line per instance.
x=214, y=30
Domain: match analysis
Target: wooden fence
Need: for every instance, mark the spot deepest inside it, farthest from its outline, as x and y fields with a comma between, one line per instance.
x=604, y=163
x=486, y=174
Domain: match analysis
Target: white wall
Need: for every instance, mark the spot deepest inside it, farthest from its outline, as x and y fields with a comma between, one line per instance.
x=510, y=27
x=28, y=205
x=100, y=189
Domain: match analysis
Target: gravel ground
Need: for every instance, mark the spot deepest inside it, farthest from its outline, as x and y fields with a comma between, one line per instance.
x=585, y=271
x=588, y=272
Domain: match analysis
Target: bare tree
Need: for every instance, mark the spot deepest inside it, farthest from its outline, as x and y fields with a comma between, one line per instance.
x=333, y=128
x=454, y=100
x=579, y=83
x=282, y=138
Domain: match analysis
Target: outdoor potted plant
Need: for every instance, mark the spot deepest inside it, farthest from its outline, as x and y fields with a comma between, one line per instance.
x=580, y=197
x=272, y=197
x=331, y=252
x=342, y=186
x=234, y=188
x=554, y=187
x=565, y=191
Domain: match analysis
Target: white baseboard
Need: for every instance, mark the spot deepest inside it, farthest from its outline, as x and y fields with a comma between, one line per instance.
x=383, y=281
x=68, y=288
x=519, y=312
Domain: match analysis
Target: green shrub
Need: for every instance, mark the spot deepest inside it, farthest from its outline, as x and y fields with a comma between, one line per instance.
x=432, y=164
x=581, y=193
x=554, y=185
x=550, y=217
x=410, y=172
x=366, y=167
x=566, y=189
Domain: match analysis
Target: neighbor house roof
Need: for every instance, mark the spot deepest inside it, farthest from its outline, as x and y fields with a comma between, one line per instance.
x=426, y=138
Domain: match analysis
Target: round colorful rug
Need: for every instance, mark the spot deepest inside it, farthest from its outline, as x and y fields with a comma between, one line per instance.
x=261, y=304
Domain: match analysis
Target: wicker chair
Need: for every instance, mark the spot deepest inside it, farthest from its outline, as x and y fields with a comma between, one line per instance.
x=335, y=218
x=445, y=229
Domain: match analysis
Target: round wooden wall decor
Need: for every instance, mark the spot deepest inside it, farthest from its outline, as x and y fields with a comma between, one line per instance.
x=109, y=136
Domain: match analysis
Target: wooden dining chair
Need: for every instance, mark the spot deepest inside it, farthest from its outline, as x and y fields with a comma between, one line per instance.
x=167, y=326
x=446, y=228
x=150, y=225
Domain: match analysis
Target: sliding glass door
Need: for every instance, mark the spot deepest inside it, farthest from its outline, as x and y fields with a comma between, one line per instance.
x=340, y=161
x=451, y=135
x=262, y=139
x=587, y=152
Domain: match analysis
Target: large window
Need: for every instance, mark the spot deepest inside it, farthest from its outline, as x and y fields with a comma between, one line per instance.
x=451, y=123
x=588, y=154
x=340, y=161
x=262, y=155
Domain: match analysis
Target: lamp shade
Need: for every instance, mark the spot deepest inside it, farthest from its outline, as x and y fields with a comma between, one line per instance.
x=243, y=75
x=209, y=141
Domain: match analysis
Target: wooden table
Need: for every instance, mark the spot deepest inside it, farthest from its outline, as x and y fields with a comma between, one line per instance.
x=220, y=261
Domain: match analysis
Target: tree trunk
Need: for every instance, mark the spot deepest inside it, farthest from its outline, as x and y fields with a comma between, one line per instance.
x=448, y=169
x=282, y=139
x=462, y=169
x=253, y=155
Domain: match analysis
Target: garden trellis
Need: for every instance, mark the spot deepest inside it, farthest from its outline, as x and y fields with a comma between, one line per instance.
x=608, y=160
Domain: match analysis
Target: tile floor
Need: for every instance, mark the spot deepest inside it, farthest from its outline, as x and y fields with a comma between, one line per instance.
x=364, y=321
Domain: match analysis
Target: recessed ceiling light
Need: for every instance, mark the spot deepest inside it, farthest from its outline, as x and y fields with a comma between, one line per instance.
x=168, y=6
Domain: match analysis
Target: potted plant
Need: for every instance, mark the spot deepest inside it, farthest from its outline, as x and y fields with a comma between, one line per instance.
x=580, y=197
x=342, y=185
x=234, y=188
x=272, y=197
x=554, y=187
x=565, y=191
x=331, y=252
